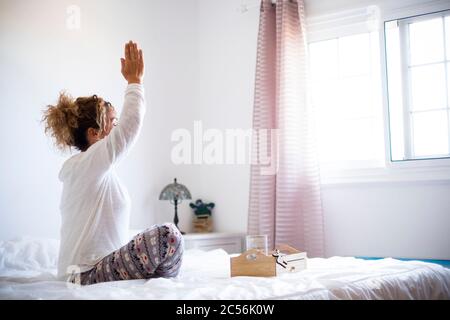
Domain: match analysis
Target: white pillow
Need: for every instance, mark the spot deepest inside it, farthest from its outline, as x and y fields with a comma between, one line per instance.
x=28, y=254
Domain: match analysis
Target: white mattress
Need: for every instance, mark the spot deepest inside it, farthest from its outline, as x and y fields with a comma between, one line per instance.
x=28, y=269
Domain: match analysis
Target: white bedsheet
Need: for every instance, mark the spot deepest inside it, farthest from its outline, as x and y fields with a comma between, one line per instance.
x=28, y=271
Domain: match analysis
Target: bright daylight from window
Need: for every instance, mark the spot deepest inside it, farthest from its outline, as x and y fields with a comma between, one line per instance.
x=346, y=94
x=418, y=54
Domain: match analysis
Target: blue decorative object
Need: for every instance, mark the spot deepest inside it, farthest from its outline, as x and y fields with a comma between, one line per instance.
x=201, y=209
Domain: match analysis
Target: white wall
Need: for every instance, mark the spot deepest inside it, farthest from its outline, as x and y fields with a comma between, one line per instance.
x=39, y=56
x=399, y=219
x=227, y=55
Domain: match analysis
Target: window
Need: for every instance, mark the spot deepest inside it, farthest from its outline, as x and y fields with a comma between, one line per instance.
x=418, y=72
x=346, y=95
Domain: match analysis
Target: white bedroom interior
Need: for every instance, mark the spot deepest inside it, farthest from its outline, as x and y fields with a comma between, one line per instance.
x=200, y=66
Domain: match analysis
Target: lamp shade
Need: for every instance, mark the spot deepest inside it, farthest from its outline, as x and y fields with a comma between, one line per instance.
x=175, y=191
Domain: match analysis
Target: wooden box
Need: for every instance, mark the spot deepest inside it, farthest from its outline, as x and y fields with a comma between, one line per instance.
x=256, y=264
x=202, y=223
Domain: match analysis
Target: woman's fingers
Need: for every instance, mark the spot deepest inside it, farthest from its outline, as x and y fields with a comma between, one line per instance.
x=127, y=51
x=141, y=60
x=135, y=51
x=133, y=64
x=132, y=52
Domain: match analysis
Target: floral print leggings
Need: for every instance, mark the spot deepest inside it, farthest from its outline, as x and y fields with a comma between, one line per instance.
x=155, y=252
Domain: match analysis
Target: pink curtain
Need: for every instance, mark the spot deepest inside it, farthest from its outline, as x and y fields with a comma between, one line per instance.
x=285, y=200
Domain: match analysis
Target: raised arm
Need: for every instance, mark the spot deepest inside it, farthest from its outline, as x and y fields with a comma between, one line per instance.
x=114, y=146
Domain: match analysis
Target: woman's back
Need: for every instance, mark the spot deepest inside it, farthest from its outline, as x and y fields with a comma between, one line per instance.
x=95, y=213
x=95, y=206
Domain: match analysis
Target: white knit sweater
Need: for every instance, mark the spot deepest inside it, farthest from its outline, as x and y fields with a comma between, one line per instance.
x=95, y=207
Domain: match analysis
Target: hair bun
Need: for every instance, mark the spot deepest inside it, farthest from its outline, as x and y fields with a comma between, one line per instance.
x=69, y=120
x=60, y=119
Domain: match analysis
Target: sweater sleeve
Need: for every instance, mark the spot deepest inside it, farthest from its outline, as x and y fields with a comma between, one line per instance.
x=108, y=151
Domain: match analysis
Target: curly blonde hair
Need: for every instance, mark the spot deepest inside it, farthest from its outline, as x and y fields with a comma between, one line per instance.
x=68, y=121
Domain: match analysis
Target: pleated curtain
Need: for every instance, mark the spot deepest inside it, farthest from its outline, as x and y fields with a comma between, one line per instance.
x=285, y=197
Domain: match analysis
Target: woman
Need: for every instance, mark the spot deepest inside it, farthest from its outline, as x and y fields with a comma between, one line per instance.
x=95, y=205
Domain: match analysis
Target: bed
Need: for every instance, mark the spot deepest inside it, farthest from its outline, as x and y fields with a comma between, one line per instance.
x=28, y=271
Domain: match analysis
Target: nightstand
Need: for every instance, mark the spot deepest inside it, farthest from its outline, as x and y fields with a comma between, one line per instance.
x=230, y=242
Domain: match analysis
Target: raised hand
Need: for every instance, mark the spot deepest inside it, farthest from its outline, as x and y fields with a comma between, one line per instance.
x=133, y=64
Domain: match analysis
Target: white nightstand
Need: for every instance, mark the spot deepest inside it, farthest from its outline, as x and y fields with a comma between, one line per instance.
x=230, y=242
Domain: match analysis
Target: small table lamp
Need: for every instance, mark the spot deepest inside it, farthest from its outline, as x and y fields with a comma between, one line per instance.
x=175, y=193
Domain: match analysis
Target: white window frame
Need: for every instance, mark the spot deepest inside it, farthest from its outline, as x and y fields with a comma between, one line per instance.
x=420, y=169
x=408, y=135
x=334, y=25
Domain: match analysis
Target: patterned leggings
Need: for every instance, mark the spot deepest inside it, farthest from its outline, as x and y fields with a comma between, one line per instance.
x=156, y=252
